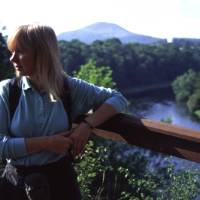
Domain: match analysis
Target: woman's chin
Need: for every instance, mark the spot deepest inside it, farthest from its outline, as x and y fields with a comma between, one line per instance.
x=19, y=73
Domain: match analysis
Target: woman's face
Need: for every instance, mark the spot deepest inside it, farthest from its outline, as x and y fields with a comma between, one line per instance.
x=23, y=61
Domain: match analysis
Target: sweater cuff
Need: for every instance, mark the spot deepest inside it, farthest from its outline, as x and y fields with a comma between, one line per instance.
x=17, y=147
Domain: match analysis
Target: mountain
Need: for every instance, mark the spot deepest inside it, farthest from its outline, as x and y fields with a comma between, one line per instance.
x=103, y=31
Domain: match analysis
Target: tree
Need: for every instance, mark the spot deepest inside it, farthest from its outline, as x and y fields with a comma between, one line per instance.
x=193, y=102
x=73, y=54
x=184, y=86
x=6, y=70
x=186, y=89
x=101, y=76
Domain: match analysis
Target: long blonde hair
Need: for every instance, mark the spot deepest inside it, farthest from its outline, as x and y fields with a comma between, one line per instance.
x=43, y=42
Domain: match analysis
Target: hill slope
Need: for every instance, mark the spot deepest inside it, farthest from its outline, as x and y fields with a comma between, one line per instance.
x=103, y=31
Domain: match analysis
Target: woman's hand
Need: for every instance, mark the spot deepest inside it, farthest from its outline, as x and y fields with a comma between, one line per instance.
x=59, y=143
x=80, y=136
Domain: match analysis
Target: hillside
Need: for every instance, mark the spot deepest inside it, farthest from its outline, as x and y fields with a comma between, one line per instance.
x=103, y=31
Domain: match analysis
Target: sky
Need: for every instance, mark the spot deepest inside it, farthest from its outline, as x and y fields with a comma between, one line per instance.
x=157, y=18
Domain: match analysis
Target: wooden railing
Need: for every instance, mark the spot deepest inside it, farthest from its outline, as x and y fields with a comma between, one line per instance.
x=157, y=136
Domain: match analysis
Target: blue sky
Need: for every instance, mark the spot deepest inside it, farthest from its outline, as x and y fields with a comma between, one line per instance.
x=158, y=18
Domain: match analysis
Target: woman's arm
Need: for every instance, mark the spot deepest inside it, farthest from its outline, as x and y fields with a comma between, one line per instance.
x=58, y=143
x=86, y=96
x=81, y=134
x=9, y=147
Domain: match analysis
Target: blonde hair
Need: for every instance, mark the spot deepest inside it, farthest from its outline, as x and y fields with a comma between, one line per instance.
x=43, y=42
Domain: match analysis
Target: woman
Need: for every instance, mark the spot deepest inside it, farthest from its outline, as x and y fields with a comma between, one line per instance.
x=37, y=139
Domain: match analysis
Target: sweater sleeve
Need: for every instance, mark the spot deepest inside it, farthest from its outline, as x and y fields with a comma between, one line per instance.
x=10, y=147
x=86, y=96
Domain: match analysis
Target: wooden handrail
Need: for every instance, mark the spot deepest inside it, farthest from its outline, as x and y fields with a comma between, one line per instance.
x=157, y=136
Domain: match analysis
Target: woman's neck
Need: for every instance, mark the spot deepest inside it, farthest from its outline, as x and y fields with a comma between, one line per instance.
x=37, y=84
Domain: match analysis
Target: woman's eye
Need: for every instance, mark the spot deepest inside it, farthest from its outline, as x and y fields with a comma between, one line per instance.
x=19, y=51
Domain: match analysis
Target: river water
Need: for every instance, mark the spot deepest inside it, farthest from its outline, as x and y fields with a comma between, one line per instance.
x=164, y=108
x=158, y=110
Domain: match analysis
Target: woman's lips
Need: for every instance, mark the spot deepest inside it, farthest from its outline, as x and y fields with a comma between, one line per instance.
x=18, y=67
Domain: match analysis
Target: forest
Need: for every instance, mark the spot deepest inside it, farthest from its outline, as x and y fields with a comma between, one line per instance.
x=133, y=65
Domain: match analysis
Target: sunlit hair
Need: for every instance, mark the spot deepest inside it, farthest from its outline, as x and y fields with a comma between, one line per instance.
x=43, y=43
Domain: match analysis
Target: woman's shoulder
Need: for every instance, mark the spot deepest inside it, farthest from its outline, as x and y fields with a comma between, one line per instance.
x=4, y=87
x=4, y=82
x=73, y=79
x=76, y=82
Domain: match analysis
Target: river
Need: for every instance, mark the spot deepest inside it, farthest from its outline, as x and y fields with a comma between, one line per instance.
x=156, y=109
x=163, y=108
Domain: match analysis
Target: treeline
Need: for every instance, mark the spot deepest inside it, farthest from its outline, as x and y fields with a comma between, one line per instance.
x=5, y=68
x=133, y=64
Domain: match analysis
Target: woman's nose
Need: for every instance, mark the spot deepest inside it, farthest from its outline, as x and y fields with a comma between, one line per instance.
x=13, y=57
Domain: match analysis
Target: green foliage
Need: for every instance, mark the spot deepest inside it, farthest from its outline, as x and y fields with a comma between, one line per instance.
x=103, y=176
x=101, y=76
x=72, y=54
x=187, y=90
x=89, y=167
x=197, y=113
x=183, y=86
x=106, y=172
x=193, y=102
x=6, y=70
x=143, y=187
x=183, y=185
